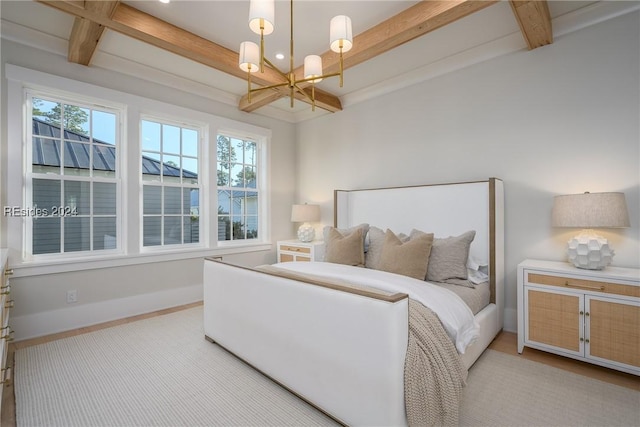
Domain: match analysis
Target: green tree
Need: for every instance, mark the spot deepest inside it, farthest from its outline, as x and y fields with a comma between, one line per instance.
x=36, y=111
x=226, y=155
x=249, y=175
x=74, y=117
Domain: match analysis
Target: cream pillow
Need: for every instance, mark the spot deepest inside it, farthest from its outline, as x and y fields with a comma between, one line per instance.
x=344, y=249
x=347, y=231
x=448, y=259
x=410, y=258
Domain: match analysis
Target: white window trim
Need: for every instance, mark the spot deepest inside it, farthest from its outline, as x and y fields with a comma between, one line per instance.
x=20, y=78
x=203, y=176
x=262, y=176
x=119, y=110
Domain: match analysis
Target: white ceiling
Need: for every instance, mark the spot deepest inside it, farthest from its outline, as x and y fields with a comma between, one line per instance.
x=225, y=23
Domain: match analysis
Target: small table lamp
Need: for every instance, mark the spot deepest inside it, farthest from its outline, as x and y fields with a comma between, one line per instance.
x=305, y=214
x=590, y=210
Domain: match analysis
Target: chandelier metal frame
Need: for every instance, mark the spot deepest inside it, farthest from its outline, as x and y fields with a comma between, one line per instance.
x=252, y=59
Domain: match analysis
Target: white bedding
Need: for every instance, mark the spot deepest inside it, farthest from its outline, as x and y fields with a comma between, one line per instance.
x=456, y=317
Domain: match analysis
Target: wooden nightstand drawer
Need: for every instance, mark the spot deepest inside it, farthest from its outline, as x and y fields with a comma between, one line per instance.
x=295, y=250
x=290, y=248
x=584, y=285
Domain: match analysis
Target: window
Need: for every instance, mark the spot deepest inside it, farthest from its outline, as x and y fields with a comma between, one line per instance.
x=238, y=197
x=73, y=177
x=104, y=178
x=171, y=187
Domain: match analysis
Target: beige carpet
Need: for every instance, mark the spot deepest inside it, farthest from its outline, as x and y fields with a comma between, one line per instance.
x=162, y=372
x=505, y=390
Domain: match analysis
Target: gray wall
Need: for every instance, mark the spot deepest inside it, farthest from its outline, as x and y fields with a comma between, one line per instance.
x=560, y=119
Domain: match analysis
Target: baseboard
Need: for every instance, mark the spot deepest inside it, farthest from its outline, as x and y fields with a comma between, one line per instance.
x=51, y=322
x=510, y=320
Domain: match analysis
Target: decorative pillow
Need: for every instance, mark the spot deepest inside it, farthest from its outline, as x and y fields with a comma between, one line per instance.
x=344, y=249
x=347, y=231
x=410, y=258
x=448, y=259
x=376, y=242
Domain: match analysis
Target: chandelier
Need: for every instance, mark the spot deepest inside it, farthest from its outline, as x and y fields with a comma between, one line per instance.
x=252, y=59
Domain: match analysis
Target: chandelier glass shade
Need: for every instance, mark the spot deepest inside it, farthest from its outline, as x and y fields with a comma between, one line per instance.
x=252, y=58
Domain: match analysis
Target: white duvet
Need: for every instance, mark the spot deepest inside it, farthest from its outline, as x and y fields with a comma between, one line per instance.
x=456, y=317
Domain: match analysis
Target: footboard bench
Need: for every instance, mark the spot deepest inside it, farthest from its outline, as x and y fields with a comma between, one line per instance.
x=348, y=360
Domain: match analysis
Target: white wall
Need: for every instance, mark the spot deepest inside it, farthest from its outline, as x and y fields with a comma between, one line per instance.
x=560, y=119
x=105, y=294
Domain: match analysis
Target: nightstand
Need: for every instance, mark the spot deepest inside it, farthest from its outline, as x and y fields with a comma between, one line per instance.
x=295, y=250
x=589, y=315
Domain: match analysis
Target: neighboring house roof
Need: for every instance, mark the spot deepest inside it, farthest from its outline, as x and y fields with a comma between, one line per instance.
x=46, y=152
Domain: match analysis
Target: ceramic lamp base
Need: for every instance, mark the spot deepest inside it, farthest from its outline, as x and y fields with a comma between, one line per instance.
x=306, y=233
x=590, y=251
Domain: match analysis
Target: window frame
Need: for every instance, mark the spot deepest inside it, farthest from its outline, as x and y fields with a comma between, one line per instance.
x=62, y=178
x=202, y=129
x=20, y=79
x=258, y=188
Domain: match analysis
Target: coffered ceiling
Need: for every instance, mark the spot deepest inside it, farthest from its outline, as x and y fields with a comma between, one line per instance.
x=197, y=41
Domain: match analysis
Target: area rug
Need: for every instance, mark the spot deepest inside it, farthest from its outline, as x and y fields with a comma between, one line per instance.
x=504, y=390
x=162, y=372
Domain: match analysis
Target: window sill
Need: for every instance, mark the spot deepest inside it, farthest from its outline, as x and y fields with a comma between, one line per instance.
x=37, y=268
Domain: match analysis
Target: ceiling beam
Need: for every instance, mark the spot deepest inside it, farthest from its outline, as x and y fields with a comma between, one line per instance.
x=534, y=20
x=144, y=27
x=420, y=19
x=324, y=100
x=416, y=21
x=86, y=34
x=409, y=24
x=149, y=29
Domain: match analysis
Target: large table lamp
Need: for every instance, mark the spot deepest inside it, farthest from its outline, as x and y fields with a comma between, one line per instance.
x=305, y=214
x=588, y=211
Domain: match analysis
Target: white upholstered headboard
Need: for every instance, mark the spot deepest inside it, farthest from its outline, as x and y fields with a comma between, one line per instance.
x=443, y=209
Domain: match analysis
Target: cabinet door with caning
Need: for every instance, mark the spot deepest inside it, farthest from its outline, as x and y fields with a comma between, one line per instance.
x=613, y=330
x=554, y=319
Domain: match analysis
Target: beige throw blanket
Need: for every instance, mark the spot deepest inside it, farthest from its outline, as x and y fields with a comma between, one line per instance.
x=433, y=372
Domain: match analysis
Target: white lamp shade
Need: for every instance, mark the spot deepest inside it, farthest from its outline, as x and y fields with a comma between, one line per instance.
x=313, y=67
x=305, y=213
x=262, y=11
x=249, y=57
x=340, y=33
x=590, y=210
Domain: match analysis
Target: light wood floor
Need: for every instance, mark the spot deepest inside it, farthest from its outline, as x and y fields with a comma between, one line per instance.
x=505, y=342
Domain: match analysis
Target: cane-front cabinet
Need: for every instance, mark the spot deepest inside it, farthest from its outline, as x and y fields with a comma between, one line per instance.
x=590, y=315
x=295, y=250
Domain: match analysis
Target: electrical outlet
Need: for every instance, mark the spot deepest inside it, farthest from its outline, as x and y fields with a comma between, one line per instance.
x=72, y=296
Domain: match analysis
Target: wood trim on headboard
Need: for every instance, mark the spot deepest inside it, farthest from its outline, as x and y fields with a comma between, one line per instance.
x=492, y=220
x=492, y=239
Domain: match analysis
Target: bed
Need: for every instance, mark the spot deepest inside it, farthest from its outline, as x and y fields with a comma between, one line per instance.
x=343, y=347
